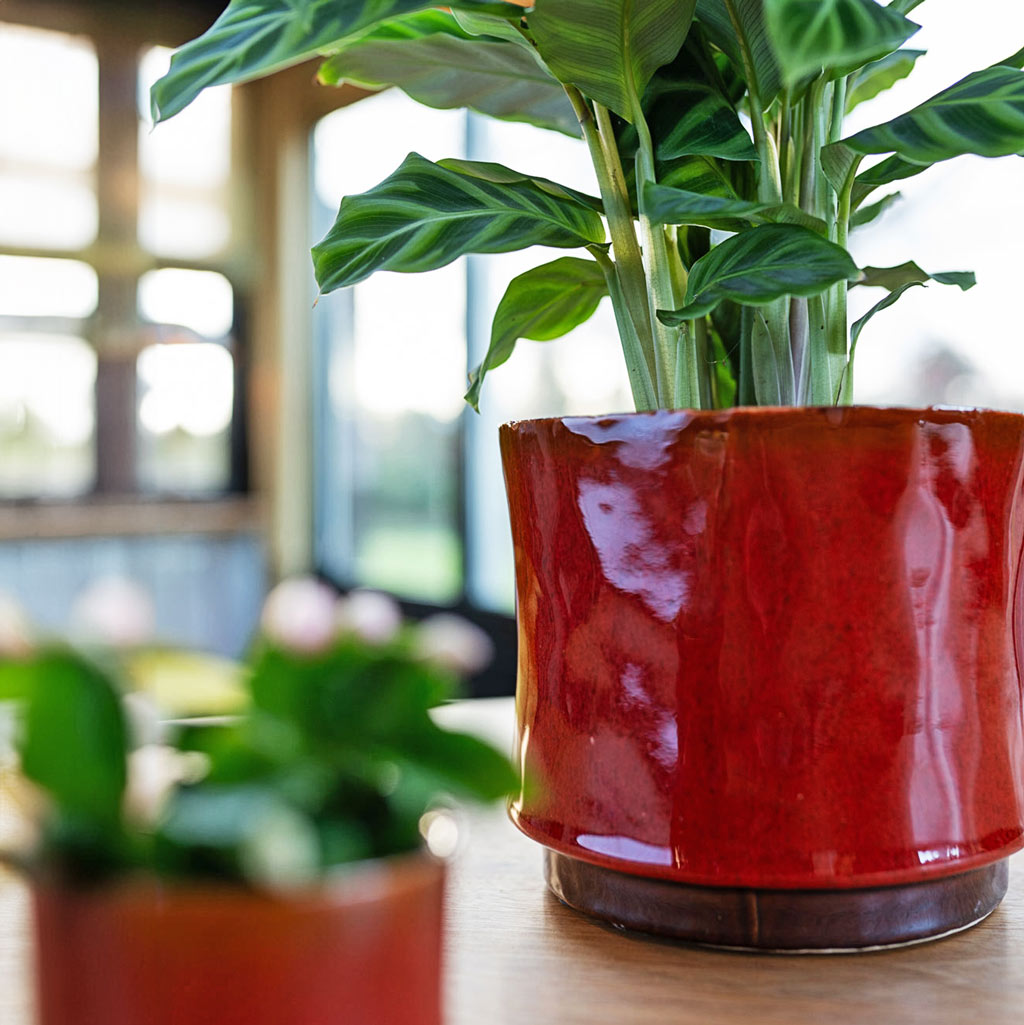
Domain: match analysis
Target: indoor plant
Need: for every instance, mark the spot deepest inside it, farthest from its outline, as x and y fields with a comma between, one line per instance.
x=725, y=260
x=268, y=867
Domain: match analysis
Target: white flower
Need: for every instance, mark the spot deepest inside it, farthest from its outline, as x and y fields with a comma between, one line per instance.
x=370, y=615
x=301, y=614
x=114, y=611
x=15, y=631
x=153, y=773
x=454, y=643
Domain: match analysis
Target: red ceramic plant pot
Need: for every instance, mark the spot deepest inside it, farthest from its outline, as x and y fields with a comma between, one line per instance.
x=363, y=951
x=769, y=668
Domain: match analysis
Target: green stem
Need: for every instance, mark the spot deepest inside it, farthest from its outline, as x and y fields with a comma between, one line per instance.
x=769, y=183
x=835, y=128
x=838, y=314
x=628, y=265
x=708, y=379
x=677, y=385
x=640, y=383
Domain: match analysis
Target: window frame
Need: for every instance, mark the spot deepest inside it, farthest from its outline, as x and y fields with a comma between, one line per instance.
x=119, y=33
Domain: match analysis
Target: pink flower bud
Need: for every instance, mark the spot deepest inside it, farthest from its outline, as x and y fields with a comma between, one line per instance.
x=455, y=643
x=370, y=615
x=301, y=614
x=114, y=611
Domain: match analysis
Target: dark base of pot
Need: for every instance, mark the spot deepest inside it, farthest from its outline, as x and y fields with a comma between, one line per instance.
x=791, y=921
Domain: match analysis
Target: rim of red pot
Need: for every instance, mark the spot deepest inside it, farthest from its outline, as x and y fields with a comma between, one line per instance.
x=355, y=883
x=837, y=416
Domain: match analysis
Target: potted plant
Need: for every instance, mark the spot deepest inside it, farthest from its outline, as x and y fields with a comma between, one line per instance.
x=767, y=671
x=285, y=864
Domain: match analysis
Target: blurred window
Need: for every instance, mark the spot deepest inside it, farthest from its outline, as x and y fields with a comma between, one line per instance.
x=118, y=303
x=410, y=494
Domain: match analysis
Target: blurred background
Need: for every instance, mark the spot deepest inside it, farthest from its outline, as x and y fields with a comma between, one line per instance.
x=173, y=409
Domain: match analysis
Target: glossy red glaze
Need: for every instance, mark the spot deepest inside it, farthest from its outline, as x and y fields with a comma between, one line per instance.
x=363, y=952
x=771, y=648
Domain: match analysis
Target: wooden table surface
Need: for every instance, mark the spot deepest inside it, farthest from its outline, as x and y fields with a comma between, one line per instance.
x=516, y=956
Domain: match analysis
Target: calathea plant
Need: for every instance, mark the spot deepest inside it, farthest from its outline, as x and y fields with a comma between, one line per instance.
x=728, y=187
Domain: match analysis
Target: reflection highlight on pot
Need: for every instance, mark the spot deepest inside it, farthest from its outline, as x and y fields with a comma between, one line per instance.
x=625, y=849
x=625, y=542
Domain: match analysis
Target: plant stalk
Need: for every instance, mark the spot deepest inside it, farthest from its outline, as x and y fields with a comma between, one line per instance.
x=628, y=265
x=678, y=385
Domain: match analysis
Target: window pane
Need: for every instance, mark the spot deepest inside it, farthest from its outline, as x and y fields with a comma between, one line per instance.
x=47, y=213
x=48, y=139
x=185, y=400
x=202, y=301
x=47, y=416
x=36, y=287
x=184, y=164
x=392, y=350
x=181, y=227
x=579, y=374
x=48, y=99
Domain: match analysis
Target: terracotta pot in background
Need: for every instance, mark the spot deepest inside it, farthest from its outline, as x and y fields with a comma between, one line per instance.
x=769, y=668
x=364, y=951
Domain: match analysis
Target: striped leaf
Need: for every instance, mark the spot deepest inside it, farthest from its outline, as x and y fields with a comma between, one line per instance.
x=544, y=303
x=610, y=49
x=700, y=122
x=666, y=205
x=253, y=38
x=809, y=35
x=431, y=58
x=982, y=114
x=761, y=265
x=880, y=75
x=753, y=39
x=909, y=273
x=904, y=6
x=426, y=215
x=701, y=174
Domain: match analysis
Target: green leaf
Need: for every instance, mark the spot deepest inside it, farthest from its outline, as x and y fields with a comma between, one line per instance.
x=876, y=210
x=761, y=265
x=888, y=301
x=610, y=49
x=495, y=25
x=809, y=35
x=904, y=6
x=253, y=38
x=17, y=678
x=498, y=174
x=703, y=123
x=1015, y=60
x=426, y=215
x=881, y=75
x=429, y=57
x=458, y=762
x=753, y=40
x=889, y=170
x=982, y=114
x=75, y=740
x=909, y=273
x=666, y=205
x=838, y=162
x=544, y=303
x=700, y=174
